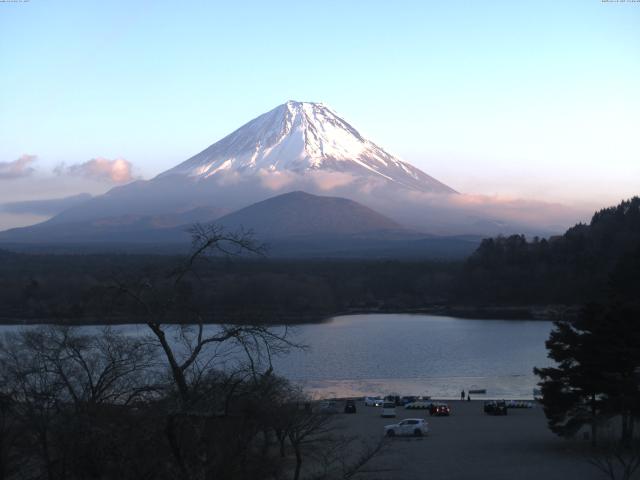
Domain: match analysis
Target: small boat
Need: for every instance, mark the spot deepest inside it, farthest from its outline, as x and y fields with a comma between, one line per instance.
x=478, y=392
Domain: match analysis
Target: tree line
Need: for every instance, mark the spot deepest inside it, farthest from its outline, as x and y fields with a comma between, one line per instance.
x=80, y=288
x=568, y=269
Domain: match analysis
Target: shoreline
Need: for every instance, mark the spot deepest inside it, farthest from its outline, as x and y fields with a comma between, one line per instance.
x=504, y=387
x=470, y=312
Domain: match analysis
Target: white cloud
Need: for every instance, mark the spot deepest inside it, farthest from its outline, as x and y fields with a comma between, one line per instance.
x=18, y=168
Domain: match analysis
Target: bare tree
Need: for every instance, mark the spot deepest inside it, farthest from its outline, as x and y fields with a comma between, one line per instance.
x=62, y=387
x=211, y=367
x=104, y=368
x=9, y=432
x=197, y=348
x=318, y=438
x=307, y=428
x=36, y=392
x=617, y=460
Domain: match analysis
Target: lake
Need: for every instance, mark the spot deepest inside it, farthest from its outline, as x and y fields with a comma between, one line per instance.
x=378, y=354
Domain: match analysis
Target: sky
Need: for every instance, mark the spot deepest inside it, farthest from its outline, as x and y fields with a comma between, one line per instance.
x=515, y=99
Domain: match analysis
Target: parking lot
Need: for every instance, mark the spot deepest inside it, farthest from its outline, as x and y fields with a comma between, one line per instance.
x=471, y=445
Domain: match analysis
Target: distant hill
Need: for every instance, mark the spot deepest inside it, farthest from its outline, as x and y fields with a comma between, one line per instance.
x=123, y=229
x=295, y=224
x=45, y=207
x=300, y=214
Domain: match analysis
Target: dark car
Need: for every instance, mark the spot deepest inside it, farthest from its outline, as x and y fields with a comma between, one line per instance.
x=395, y=399
x=350, y=406
x=493, y=407
x=439, y=410
x=407, y=399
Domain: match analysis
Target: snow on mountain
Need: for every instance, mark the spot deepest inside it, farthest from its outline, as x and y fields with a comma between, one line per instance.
x=303, y=137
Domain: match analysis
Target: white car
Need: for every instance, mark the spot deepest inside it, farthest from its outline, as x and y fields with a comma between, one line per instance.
x=388, y=409
x=409, y=426
x=418, y=405
x=372, y=401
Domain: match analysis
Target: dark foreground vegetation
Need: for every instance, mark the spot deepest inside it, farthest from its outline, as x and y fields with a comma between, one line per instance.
x=205, y=405
x=505, y=277
x=104, y=406
x=594, y=386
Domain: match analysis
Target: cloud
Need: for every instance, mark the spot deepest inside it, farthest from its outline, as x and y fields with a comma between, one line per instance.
x=331, y=180
x=226, y=179
x=276, y=180
x=47, y=207
x=18, y=168
x=536, y=212
x=477, y=214
x=118, y=170
x=323, y=181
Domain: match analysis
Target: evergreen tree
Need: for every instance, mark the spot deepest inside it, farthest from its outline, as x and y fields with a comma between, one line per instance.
x=598, y=360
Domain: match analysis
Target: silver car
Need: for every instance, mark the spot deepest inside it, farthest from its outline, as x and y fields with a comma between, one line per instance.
x=373, y=401
x=416, y=427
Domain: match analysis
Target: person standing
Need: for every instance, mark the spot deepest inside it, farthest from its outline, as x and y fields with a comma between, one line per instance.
x=462, y=395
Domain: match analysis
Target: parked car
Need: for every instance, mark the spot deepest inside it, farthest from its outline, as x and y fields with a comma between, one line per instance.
x=328, y=407
x=373, y=401
x=392, y=399
x=350, y=406
x=409, y=426
x=407, y=399
x=439, y=410
x=388, y=409
x=493, y=407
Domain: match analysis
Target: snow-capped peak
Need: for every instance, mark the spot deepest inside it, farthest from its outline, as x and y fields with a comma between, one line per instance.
x=301, y=137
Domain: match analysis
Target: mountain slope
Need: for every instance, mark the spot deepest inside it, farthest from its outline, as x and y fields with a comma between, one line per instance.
x=130, y=228
x=301, y=137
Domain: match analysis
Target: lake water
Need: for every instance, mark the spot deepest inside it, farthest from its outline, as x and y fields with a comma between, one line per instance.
x=412, y=355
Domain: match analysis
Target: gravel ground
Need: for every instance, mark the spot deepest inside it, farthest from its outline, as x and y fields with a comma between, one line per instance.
x=472, y=445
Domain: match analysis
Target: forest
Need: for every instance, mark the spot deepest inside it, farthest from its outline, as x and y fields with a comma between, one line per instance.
x=512, y=273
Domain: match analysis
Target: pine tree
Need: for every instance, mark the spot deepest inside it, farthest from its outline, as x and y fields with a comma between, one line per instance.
x=597, y=359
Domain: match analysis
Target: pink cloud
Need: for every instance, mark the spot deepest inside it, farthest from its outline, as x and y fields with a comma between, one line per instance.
x=21, y=167
x=331, y=180
x=118, y=170
x=276, y=180
x=537, y=213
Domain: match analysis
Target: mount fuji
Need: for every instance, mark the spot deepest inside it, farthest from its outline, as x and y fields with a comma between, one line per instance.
x=303, y=138
x=297, y=146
